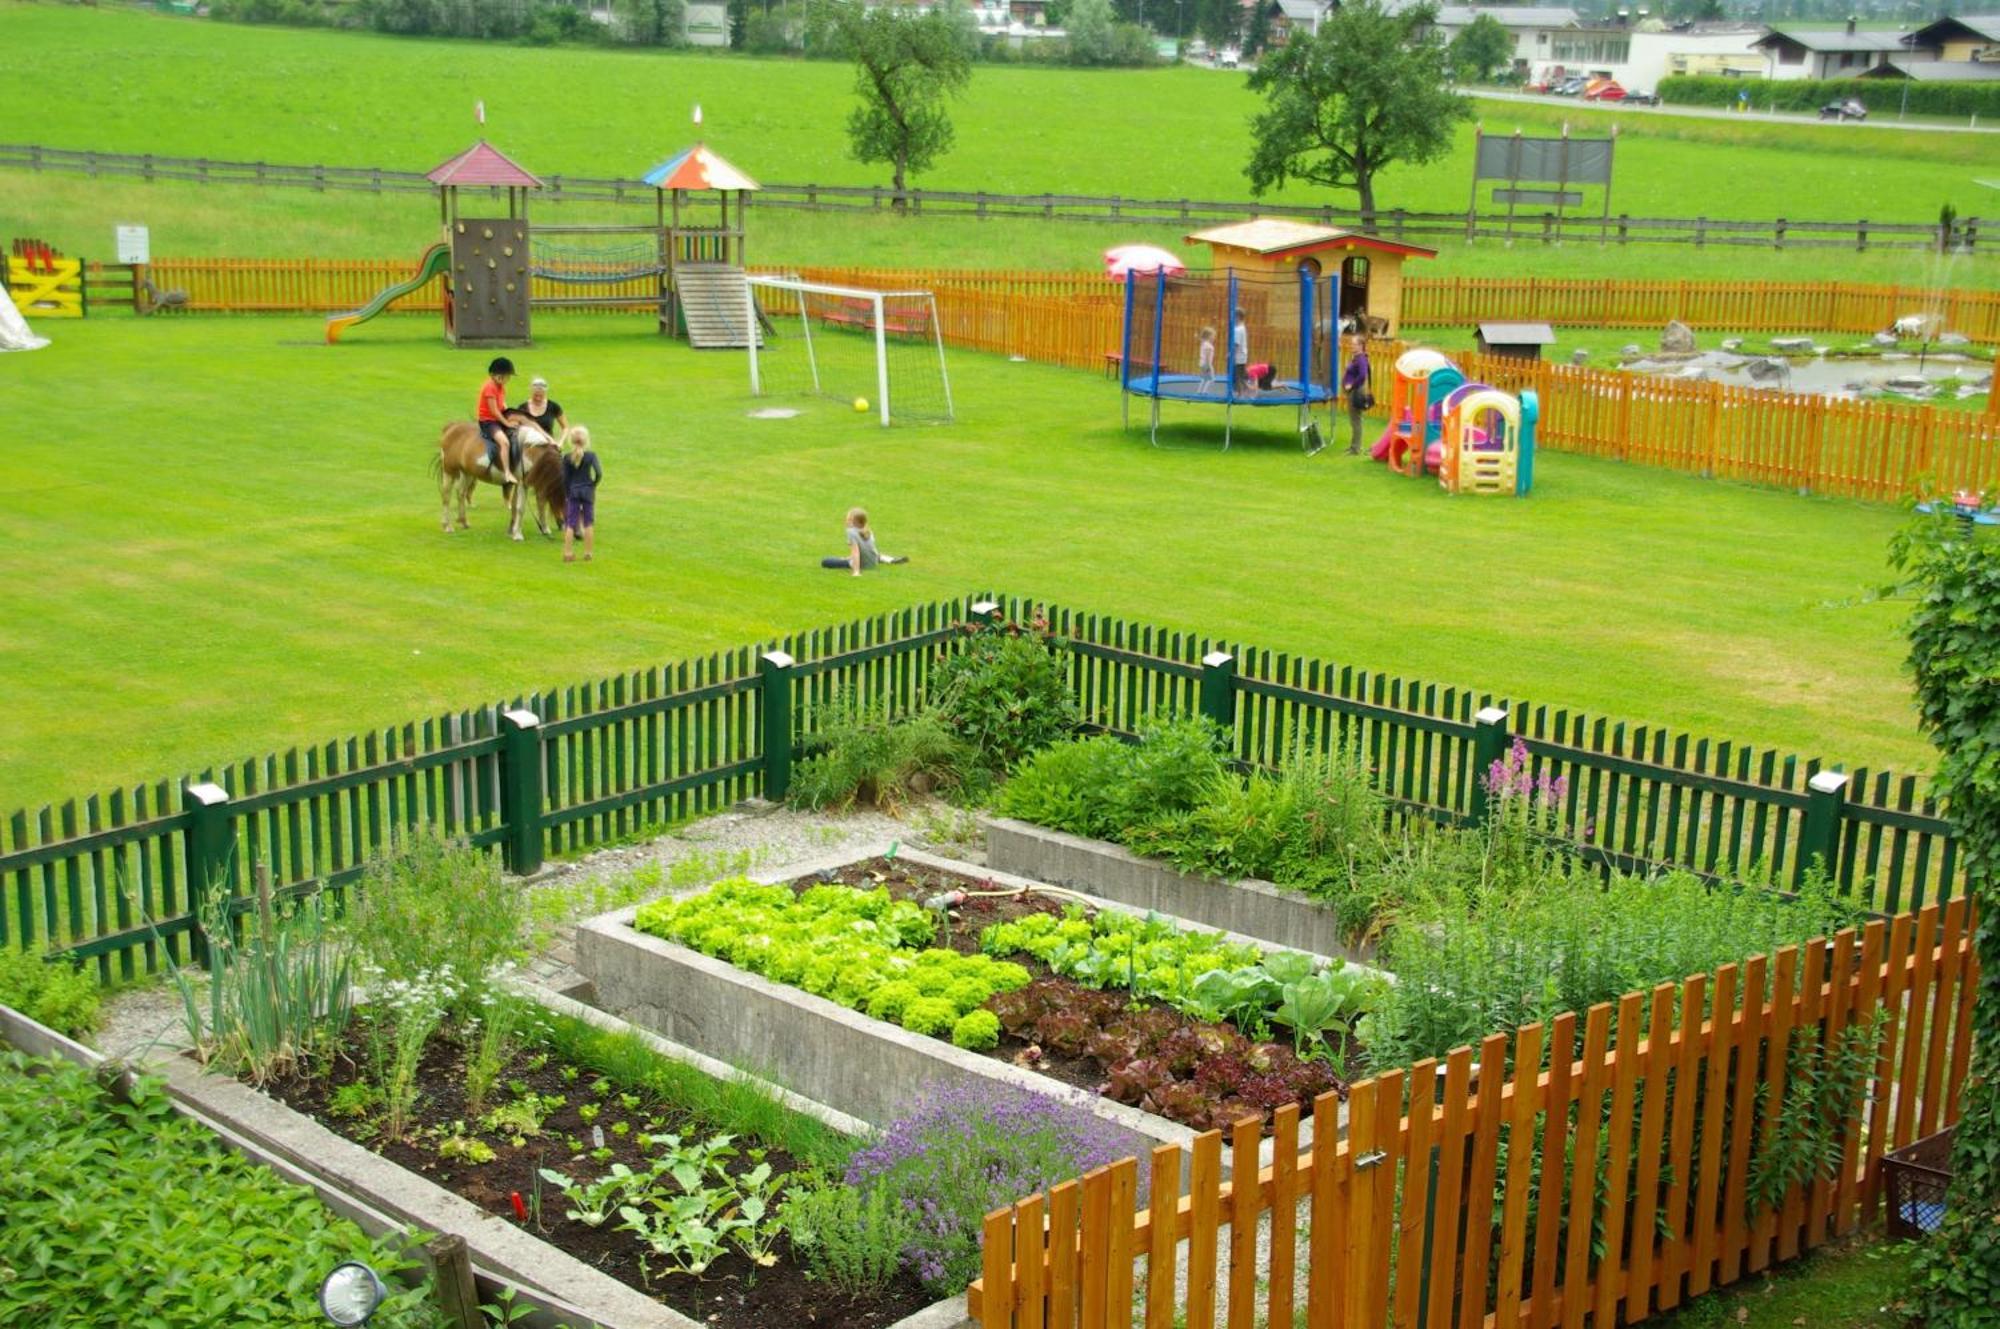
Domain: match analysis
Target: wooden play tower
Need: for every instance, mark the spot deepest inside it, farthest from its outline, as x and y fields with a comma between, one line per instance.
x=487, y=285
x=708, y=300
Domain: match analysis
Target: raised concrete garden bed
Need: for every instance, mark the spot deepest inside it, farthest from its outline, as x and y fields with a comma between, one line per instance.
x=832, y=1055
x=1250, y=908
x=360, y=1184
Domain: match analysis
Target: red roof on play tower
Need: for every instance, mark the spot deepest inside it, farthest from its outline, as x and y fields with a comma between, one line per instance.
x=482, y=164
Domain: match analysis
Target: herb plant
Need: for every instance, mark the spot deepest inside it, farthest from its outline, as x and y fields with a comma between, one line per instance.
x=51, y=992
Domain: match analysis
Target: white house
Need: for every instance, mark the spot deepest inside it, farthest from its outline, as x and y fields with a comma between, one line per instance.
x=1695, y=48
x=1538, y=31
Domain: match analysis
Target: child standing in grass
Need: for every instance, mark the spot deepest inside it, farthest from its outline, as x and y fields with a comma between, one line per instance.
x=580, y=473
x=861, y=553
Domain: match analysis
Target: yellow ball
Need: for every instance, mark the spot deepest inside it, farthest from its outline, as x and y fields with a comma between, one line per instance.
x=860, y=403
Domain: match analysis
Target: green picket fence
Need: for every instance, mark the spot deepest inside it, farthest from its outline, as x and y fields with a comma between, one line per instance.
x=121, y=879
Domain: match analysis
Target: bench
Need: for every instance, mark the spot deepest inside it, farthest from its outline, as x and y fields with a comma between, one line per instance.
x=854, y=313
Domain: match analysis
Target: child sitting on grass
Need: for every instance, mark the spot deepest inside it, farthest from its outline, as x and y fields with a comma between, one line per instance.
x=861, y=553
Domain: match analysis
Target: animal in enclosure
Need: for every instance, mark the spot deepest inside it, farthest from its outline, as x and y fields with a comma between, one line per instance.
x=1914, y=327
x=461, y=465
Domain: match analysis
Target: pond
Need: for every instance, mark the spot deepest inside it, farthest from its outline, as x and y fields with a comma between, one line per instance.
x=1891, y=374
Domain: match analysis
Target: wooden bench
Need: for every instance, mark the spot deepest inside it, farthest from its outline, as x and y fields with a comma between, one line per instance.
x=853, y=313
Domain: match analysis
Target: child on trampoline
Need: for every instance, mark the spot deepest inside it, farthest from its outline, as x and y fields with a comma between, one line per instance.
x=1207, y=358
x=861, y=552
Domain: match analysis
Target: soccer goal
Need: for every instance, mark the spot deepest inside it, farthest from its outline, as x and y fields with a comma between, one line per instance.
x=851, y=344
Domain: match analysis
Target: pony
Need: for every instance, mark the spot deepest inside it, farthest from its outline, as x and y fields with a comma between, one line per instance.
x=460, y=465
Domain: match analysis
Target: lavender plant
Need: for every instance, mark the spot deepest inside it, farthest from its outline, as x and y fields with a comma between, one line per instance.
x=960, y=1153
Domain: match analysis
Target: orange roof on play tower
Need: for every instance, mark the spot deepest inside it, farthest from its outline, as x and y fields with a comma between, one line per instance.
x=698, y=167
x=483, y=164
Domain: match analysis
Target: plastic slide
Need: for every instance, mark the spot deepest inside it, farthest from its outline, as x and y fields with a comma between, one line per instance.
x=435, y=261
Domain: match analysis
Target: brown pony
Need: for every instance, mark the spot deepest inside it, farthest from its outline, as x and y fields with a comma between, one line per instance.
x=461, y=464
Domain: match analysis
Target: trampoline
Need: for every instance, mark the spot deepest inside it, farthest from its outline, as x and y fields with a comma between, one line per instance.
x=1290, y=318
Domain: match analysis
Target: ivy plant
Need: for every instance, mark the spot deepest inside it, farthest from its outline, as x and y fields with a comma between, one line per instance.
x=1954, y=630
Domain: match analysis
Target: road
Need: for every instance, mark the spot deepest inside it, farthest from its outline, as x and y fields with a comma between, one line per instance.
x=1721, y=113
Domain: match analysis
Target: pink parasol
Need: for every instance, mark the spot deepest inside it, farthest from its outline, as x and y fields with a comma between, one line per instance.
x=1123, y=259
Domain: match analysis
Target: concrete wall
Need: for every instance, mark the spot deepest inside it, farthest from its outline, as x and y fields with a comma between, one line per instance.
x=1250, y=908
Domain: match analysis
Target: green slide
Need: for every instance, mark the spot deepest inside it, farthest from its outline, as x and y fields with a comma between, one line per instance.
x=433, y=264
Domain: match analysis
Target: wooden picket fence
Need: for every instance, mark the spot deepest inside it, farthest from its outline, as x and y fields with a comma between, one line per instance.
x=1543, y=1182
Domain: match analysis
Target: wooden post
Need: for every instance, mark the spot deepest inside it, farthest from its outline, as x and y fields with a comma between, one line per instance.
x=521, y=789
x=774, y=677
x=1218, y=690
x=1489, y=748
x=452, y=1284
x=1819, y=836
x=208, y=859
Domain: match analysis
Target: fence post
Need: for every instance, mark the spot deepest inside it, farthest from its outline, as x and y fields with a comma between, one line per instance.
x=1489, y=745
x=1218, y=689
x=774, y=684
x=1819, y=837
x=521, y=789
x=208, y=858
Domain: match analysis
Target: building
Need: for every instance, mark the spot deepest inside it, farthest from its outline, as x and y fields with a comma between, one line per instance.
x=1285, y=17
x=1694, y=48
x=1538, y=32
x=1968, y=38
x=1514, y=341
x=1370, y=268
x=1841, y=53
x=1938, y=71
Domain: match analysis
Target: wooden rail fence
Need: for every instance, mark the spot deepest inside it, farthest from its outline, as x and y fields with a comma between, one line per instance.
x=981, y=205
x=125, y=878
x=1594, y=1170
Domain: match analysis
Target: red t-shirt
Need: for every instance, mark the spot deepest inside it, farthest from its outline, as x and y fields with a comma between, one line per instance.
x=492, y=402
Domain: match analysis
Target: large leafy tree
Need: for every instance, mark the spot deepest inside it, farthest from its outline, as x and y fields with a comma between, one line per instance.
x=1368, y=89
x=1480, y=47
x=907, y=66
x=1955, y=657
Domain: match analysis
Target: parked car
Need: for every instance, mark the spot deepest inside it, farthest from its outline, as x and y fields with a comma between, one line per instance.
x=1851, y=109
x=1642, y=99
x=1603, y=90
x=1570, y=86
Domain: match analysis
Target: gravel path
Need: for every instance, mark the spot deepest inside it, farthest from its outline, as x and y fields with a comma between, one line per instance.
x=147, y=1022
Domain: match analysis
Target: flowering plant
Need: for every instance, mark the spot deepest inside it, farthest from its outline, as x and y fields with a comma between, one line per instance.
x=962, y=1152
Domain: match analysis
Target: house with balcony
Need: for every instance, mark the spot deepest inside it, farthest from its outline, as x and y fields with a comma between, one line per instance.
x=1839, y=53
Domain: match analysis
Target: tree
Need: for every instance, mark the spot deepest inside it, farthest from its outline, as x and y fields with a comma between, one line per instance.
x=1257, y=29
x=1089, y=30
x=1480, y=47
x=906, y=65
x=1368, y=89
x=1954, y=634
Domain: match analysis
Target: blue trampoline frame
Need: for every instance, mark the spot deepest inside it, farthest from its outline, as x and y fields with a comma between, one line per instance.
x=1300, y=390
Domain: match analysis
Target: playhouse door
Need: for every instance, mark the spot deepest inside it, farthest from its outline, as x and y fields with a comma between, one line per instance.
x=1354, y=290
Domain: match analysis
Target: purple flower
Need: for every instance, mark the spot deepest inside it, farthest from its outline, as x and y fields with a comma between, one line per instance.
x=961, y=1152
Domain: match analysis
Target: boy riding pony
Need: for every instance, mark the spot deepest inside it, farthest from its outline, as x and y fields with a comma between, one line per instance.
x=492, y=417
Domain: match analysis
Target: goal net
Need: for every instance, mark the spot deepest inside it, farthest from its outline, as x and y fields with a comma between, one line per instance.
x=852, y=345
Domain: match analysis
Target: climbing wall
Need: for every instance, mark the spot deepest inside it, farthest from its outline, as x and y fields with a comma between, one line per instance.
x=489, y=281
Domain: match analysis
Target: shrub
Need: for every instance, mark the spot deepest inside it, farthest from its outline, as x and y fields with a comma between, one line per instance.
x=1006, y=695
x=1878, y=95
x=850, y=1238
x=85, y=1181
x=1565, y=944
x=977, y=1030
x=51, y=992
x=861, y=756
x=1068, y=787
x=438, y=904
x=960, y=1153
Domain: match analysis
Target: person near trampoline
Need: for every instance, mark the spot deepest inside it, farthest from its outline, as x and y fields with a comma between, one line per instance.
x=1239, y=353
x=543, y=409
x=492, y=417
x=1207, y=358
x=861, y=552
x=1354, y=383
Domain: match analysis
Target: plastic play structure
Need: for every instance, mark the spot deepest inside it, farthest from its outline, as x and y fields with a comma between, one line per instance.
x=1475, y=438
x=436, y=260
x=1286, y=315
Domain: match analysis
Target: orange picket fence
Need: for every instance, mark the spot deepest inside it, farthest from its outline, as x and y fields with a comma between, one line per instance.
x=1686, y=1141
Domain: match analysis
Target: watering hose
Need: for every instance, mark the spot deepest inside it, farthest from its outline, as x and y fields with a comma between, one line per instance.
x=952, y=899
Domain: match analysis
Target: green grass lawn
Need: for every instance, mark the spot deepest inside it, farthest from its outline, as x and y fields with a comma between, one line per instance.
x=1842, y=1286
x=126, y=81
x=225, y=542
